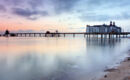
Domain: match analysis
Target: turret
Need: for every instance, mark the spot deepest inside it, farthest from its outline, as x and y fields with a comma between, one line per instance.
x=114, y=24
x=110, y=23
x=87, y=25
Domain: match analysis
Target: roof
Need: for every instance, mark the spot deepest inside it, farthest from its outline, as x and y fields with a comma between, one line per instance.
x=103, y=25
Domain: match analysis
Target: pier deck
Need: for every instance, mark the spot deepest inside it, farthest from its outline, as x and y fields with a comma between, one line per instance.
x=124, y=34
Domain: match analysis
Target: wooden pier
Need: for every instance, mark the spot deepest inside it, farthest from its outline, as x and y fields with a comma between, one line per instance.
x=102, y=35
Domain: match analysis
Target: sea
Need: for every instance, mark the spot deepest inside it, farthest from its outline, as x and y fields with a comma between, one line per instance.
x=60, y=58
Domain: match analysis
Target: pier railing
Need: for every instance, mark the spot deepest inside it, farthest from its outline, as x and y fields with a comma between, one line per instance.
x=124, y=34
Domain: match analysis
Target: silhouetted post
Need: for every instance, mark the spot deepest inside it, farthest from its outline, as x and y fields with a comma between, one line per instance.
x=87, y=35
x=39, y=34
x=29, y=35
x=123, y=35
x=25, y=35
x=111, y=35
x=101, y=36
x=126, y=35
x=34, y=34
x=97, y=35
x=116, y=36
x=58, y=34
x=105, y=35
x=16, y=35
x=92, y=35
x=7, y=33
x=73, y=35
x=64, y=34
x=20, y=35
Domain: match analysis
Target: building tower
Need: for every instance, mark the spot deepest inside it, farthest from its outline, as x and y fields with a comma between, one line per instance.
x=114, y=24
x=87, y=28
x=110, y=23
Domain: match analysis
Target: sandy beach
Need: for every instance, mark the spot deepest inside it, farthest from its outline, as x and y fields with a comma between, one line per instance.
x=122, y=72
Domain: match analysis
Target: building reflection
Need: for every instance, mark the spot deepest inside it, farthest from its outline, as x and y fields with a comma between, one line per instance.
x=102, y=42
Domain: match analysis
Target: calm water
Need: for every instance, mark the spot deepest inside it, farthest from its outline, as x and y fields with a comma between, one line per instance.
x=67, y=58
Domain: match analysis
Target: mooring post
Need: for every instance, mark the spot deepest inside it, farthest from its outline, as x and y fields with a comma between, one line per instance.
x=64, y=34
x=104, y=35
x=25, y=34
x=73, y=34
x=89, y=35
x=40, y=34
x=126, y=35
x=16, y=35
x=29, y=34
x=116, y=36
x=97, y=35
x=58, y=35
x=21, y=34
x=101, y=36
x=123, y=35
x=34, y=34
x=52, y=35
x=92, y=35
x=111, y=35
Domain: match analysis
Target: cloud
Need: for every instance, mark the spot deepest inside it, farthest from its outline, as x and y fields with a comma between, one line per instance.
x=2, y=8
x=29, y=14
x=105, y=3
x=104, y=17
x=102, y=9
x=37, y=3
x=64, y=5
x=29, y=8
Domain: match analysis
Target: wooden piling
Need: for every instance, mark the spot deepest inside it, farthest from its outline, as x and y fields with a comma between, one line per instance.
x=101, y=36
x=64, y=34
x=73, y=34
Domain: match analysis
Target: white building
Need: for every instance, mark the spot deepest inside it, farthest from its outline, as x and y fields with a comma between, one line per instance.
x=103, y=28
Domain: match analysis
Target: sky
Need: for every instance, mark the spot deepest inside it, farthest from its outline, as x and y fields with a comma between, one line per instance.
x=62, y=15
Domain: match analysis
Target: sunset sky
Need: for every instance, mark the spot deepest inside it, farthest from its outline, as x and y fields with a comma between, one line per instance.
x=62, y=15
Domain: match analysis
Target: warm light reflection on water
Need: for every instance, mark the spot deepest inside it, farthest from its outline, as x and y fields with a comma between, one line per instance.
x=58, y=58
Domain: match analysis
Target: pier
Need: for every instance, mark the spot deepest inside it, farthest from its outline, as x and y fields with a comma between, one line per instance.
x=64, y=34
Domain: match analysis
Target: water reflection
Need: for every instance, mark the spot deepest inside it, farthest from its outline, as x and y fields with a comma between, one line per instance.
x=103, y=42
x=58, y=58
